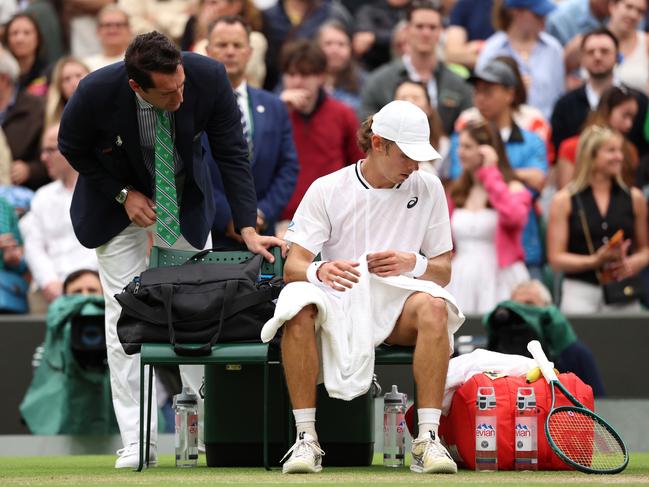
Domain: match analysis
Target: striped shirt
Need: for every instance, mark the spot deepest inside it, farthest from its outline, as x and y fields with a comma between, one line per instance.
x=146, y=119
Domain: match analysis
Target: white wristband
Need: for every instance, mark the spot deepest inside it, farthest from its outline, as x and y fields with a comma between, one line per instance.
x=312, y=273
x=421, y=264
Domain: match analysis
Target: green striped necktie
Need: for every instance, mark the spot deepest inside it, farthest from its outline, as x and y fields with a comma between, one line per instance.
x=167, y=220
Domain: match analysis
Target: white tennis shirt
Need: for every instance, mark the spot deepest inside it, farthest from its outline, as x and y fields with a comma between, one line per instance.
x=342, y=216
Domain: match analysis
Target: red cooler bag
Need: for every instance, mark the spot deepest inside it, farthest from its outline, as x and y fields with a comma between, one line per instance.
x=457, y=430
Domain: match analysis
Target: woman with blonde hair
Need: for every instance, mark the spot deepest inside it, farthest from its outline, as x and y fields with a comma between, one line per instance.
x=67, y=73
x=489, y=208
x=586, y=217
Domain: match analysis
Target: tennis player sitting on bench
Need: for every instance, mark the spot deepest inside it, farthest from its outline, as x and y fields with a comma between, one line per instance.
x=371, y=222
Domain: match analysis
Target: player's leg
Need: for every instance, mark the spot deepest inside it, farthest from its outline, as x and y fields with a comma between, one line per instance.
x=301, y=367
x=424, y=323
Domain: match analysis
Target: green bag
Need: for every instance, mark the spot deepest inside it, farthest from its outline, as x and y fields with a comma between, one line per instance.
x=64, y=397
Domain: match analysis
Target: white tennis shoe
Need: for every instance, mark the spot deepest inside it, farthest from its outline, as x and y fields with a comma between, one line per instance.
x=430, y=456
x=305, y=456
x=129, y=456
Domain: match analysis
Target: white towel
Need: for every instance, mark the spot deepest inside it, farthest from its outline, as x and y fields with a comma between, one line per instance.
x=352, y=323
x=462, y=368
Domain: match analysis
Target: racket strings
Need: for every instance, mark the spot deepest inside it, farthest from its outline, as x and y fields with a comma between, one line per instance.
x=585, y=440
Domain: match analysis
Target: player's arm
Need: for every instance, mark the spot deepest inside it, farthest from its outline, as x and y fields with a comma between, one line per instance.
x=337, y=274
x=395, y=263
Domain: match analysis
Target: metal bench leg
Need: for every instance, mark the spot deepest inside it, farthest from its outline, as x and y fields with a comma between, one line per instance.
x=141, y=459
x=148, y=416
x=266, y=464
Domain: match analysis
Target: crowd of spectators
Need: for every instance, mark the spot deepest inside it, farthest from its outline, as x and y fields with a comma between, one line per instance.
x=534, y=105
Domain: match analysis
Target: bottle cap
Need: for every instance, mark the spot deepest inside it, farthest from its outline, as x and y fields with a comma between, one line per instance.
x=186, y=397
x=486, y=398
x=525, y=398
x=394, y=396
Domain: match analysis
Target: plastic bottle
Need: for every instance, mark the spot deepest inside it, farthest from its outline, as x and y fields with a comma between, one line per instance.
x=394, y=425
x=185, y=405
x=525, y=430
x=486, y=439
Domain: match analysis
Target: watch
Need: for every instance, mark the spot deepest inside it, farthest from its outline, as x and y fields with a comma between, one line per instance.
x=121, y=196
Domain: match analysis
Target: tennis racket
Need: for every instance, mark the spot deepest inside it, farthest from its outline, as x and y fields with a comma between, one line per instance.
x=577, y=435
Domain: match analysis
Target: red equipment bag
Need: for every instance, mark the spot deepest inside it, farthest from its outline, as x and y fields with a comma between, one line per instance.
x=457, y=430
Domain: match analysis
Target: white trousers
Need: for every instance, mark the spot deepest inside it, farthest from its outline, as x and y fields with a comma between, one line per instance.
x=120, y=260
x=579, y=297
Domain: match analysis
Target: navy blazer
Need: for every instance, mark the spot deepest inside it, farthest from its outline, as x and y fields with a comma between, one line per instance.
x=99, y=136
x=274, y=160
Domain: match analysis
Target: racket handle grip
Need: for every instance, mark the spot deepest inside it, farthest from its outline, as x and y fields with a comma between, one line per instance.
x=547, y=367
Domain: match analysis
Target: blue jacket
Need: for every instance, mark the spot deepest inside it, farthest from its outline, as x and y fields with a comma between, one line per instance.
x=526, y=150
x=99, y=136
x=274, y=161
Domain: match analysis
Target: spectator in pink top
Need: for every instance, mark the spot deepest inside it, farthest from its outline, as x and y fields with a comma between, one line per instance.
x=489, y=209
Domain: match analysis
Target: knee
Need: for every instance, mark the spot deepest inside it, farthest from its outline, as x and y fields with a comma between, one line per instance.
x=302, y=324
x=432, y=316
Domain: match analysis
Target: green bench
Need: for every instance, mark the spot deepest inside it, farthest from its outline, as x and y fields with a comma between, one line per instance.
x=222, y=353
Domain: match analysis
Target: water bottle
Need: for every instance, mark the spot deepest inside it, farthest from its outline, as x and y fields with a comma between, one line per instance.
x=185, y=406
x=526, y=421
x=486, y=444
x=394, y=425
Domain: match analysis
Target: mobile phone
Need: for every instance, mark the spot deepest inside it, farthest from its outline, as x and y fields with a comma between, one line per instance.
x=616, y=239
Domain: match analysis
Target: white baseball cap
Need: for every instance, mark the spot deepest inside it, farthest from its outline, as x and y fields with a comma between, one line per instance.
x=407, y=125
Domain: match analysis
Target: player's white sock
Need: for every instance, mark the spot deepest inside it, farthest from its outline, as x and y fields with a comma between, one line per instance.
x=305, y=421
x=428, y=421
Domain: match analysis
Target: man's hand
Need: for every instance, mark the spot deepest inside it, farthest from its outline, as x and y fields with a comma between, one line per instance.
x=140, y=209
x=12, y=253
x=391, y=263
x=231, y=233
x=339, y=274
x=19, y=172
x=296, y=99
x=52, y=290
x=259, y=244
x=362, y=42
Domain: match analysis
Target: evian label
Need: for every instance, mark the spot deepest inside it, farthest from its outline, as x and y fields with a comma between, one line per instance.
x=524, y=434
x=485, y=434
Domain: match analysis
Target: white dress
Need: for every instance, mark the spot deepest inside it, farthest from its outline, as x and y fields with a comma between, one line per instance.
x=476, y=281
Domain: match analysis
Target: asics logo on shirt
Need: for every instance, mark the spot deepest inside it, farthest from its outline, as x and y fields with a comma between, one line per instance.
x=413, y=201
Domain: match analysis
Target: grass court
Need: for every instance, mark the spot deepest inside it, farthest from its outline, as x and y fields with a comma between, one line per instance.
x=98, y=471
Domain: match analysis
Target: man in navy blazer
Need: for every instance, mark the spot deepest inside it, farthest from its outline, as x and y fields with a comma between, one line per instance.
x=269, y=134
x=108, y=134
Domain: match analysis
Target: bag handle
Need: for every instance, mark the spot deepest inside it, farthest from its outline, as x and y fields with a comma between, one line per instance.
x=206, y=349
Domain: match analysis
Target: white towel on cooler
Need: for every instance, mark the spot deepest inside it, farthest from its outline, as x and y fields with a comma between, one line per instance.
x=351, y=324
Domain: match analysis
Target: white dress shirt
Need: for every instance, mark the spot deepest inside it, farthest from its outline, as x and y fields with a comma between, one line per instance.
x=52, y=250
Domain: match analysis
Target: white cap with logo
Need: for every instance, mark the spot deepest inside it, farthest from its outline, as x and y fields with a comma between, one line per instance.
x=407, y=125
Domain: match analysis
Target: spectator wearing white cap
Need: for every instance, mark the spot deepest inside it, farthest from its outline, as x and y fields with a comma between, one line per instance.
x=390, y=233
x=520, y=35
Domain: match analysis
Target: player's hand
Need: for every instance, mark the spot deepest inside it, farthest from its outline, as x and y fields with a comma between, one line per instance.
x=339, y=274
x=52, y=290
x=259, y=244
x=391, y=263
x=140, y=209
x=19, y=172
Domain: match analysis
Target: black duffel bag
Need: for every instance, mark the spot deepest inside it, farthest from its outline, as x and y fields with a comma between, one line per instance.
x=197, y=303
